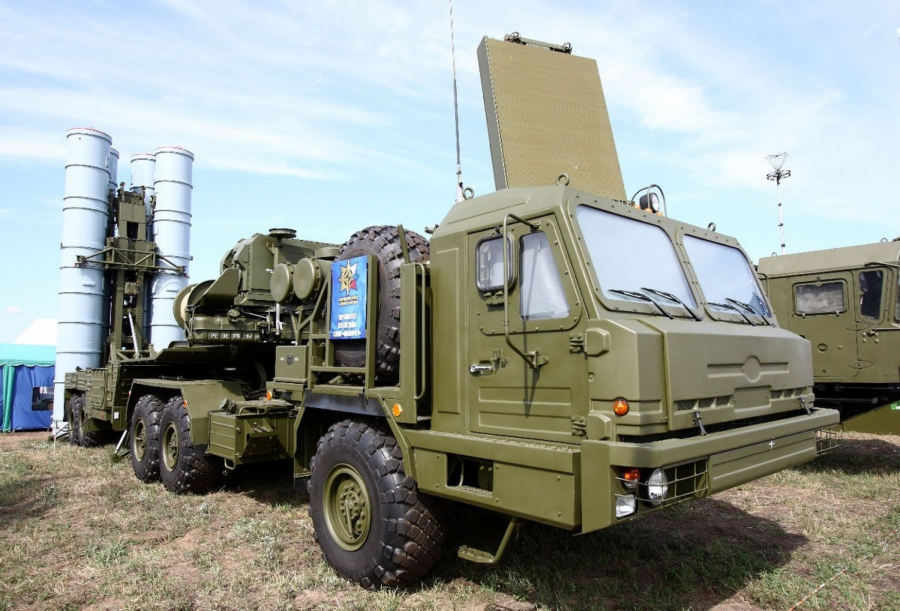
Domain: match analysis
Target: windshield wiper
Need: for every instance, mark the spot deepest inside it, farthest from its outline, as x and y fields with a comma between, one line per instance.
x=749, y=308
x=642, y=297
x=671, y=297
x=726, y=306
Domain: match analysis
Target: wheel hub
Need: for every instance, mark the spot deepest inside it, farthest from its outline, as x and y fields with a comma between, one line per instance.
x=140, y=440
x=347, y=508
x=170, y=447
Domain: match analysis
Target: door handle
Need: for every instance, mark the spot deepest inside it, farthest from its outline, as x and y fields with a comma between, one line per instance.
x=477, y=369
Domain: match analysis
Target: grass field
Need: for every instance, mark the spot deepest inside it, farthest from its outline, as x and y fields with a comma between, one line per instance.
x=78, y=531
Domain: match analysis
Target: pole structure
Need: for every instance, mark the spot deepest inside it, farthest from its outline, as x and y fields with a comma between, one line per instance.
x=777, y=161
x=780, y=212
x=459, y=182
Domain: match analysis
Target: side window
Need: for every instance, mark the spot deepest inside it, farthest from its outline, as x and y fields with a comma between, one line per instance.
x=870, y=284
x=825, y=298
x=541, y=294
x=897, y=307
x=489, y=263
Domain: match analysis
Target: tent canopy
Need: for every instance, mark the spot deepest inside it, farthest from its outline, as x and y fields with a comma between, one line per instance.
x=30, y=356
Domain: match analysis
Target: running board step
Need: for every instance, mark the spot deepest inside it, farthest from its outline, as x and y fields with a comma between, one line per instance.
x=482, y=557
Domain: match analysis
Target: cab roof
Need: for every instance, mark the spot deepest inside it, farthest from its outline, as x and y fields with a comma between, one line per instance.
x=490, y=210
x=849, y=257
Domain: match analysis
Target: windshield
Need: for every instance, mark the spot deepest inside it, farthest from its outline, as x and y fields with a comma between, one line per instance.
x=631, y=256
x=725, y=276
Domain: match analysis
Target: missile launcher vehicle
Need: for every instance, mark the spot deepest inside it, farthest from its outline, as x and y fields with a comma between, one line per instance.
x=845, y=302
x=551, y=353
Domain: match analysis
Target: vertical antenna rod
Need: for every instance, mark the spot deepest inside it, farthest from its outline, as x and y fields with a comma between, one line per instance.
x=777, y=161
x=459, y=183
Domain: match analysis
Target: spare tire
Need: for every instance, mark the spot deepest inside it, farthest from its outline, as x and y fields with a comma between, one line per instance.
x=384, y=243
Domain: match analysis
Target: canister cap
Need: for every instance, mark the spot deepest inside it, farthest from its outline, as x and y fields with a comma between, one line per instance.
x=175, y=149
x=89, y=131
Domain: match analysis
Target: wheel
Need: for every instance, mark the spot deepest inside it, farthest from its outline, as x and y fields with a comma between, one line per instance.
x=144, y=435
x=181, y=468
x=76, y=405
x=77, y=435
x=384, y=243
x=373, y=525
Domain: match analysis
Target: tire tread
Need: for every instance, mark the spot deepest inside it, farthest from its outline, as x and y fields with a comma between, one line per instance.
x=151, y=408
x=194, y=472
x=383, y=241
x=411, y=537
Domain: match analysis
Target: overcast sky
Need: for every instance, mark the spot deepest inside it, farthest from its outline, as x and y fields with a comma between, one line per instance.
x=331, y=116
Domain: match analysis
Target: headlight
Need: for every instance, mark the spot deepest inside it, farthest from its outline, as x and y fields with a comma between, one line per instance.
x=657, y=487
x=625, y=505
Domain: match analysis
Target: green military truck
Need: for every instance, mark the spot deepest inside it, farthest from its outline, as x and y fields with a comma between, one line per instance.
x=846, y=302
x=560, y=358
x=553, y=353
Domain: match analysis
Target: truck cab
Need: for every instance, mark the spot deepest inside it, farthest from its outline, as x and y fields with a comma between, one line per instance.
x=845, y=301
x=622, y=340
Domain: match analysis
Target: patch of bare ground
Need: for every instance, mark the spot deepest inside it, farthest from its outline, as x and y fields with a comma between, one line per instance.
x=78, y=531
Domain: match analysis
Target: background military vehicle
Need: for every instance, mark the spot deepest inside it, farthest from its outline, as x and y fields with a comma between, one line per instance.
x=845, y=301
x=552, y=354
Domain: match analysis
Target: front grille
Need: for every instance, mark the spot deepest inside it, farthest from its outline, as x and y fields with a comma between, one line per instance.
x=692, y=404
x=790, y=392
x=686, y=405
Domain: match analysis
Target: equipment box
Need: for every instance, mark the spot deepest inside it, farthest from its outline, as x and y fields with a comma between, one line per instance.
x=290, y=364
x=249, y=438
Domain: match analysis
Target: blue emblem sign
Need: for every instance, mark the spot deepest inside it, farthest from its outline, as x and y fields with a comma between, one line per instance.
x=348, y=298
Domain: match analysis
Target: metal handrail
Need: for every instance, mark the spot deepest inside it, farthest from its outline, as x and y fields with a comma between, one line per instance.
x=423, y=373
x=533, y=358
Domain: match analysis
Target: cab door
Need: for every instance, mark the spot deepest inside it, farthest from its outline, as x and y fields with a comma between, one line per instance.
x=875, y=355
x=824, y=312
x=533, y=384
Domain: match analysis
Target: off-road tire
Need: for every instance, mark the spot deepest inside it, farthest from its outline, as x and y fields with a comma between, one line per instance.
x=144, y=438
x=181, y=467
x=77, y=435
x=384, y=243
x=357, y=478
x=76, y=404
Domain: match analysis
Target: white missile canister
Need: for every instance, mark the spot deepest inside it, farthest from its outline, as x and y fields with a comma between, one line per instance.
x=85, y=221
x=172, y=234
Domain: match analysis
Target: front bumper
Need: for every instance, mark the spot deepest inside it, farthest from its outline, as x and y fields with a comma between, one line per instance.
x=702, y=465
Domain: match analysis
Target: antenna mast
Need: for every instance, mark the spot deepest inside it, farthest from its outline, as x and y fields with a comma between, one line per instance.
x=459, y=183
x=777, y=161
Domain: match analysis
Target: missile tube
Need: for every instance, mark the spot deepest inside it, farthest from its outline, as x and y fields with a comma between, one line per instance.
x=85, y=222
x=172, y=234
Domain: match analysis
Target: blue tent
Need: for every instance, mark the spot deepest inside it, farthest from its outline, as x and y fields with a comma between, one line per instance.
x=27, y=398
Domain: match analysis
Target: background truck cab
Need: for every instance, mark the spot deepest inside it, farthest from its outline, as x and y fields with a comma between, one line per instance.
x=845, y=301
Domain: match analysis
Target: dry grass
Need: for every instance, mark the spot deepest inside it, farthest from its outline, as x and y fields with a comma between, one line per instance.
x=78, y=531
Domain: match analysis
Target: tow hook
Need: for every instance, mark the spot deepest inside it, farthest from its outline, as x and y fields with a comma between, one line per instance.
x=699, y=422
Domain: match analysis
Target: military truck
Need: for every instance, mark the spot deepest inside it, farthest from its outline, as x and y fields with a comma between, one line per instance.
x=553, y=353
x=845, y=301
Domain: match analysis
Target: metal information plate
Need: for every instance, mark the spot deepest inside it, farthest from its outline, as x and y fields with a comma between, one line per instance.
x=349, y=280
